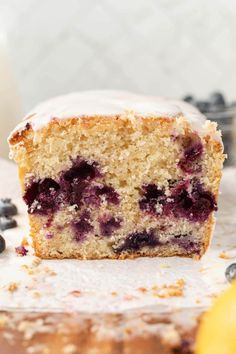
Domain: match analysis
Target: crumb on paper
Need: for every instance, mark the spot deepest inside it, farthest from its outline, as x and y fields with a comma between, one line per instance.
x=203, y=269
x=129, y=297
x=49, y=271
x=114, y=293
x=142, y=290
x=224, y=255
x=165, y=266
x=12, y=287
x=35, y=269
x=36, y=295
x=36, y=262
x=197, y=301
x=155, y=288
x=75, y=293
x=28, y=269
x=171, y=290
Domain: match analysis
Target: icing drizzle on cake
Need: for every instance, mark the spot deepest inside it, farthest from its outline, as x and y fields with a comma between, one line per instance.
x=109, y=103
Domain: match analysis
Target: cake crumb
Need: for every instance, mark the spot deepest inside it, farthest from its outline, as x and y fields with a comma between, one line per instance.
x=50, y=271
x=172, y=290
x=155, y=288
x=34, y=267
x=129, y=297
x=180, y=282
x=28, y=269
x=164, y=266
x=224, y=255
x=75, y=293
x=114, y=293
x=36, y=295
x=203, y=269
x=36, y=262
x=142, y=290
x=12, y=287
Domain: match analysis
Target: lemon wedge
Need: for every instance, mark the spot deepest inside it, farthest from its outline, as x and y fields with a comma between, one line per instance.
x=217, y=332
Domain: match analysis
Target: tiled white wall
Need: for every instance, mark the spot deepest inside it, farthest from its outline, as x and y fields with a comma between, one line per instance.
x=167, y=47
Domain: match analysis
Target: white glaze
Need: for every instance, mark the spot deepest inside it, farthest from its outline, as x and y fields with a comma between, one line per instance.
x=98, y=279
x=110, y=103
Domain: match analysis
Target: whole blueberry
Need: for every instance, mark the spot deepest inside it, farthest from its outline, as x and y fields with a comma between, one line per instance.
x=230, y=272
x=7, y=208
x=2, y=244
x=217, y=100
x=203, y=106
x=7, y=223
x=189, y=99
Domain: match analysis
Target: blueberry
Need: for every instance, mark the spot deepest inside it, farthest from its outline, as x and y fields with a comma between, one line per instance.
x=152, y=197
x=7, y=208
x=189, y=99
x=82, y=227
x=2, y=244
x=191, y=156
x=203, y=106
x=230, y=272
x=107, y=227
x=7, y=223
x=21, y=251
x=137, y=240
x=217, y=100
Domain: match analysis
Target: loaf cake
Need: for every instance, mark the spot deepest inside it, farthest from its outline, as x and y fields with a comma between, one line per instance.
x=109, y=174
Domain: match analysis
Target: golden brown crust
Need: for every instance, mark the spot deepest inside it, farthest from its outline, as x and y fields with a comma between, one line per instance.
x=22, y=136
x=19, y=135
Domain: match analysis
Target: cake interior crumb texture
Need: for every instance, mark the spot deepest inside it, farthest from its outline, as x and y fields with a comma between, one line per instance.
x=119, y=185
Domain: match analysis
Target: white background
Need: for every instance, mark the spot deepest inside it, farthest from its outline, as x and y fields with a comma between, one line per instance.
x=167, y=47
x=163, y=47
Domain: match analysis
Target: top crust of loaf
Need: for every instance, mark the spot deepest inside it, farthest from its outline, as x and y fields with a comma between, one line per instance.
x=113, y=105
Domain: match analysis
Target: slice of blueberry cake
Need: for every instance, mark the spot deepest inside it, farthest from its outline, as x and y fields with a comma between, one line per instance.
x=113, y=174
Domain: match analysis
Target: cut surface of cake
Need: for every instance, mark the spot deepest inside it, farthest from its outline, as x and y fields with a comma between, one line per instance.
x=110, y=174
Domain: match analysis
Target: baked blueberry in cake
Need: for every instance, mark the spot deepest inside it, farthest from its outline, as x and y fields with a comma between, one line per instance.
x=109, y=174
